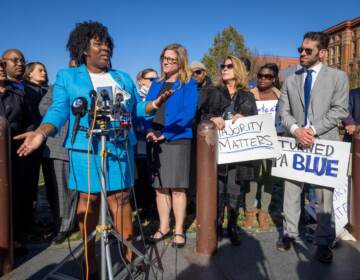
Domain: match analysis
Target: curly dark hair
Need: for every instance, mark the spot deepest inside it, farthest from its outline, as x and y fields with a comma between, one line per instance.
x=79, y=39
x=275, y=69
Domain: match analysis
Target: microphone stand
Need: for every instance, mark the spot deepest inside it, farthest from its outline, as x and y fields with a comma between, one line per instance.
x=105, y=229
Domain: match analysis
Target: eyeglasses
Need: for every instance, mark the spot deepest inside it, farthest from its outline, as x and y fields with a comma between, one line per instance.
x=16, y=60
x=150, y=78
x=308, y=51
x=197, y=72
x=228, y=66
x=169, y=60
x=265, y=76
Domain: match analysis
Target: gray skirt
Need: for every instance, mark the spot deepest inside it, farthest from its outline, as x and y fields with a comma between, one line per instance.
x=169, y=163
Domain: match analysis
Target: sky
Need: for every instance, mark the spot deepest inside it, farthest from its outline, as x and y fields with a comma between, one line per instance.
x=141, y=29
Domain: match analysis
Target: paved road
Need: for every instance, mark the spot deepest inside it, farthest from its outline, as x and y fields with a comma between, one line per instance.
x=256, y=258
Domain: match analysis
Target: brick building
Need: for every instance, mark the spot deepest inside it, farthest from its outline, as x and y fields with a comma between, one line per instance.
x=286, y=64
x=344, y=47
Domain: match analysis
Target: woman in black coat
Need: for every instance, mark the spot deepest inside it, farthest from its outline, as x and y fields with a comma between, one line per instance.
x=229, y=101
x=36, y=86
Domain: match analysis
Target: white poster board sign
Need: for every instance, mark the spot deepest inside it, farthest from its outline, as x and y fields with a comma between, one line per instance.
x=324, y=164
x=249, y=138
x=340, y=206
x=271, y=107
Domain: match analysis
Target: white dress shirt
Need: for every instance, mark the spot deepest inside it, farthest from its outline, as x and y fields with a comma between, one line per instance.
x=316, y=69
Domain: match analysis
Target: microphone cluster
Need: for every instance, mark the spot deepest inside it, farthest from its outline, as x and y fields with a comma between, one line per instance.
x=106, y=109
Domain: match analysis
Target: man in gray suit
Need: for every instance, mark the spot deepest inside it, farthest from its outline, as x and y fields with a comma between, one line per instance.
x=313, y=102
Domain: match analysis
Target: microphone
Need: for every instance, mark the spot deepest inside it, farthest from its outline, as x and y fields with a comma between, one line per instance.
x=93, y=95
x=78, y=108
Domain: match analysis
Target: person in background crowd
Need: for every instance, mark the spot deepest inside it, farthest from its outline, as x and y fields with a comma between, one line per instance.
x=35, y=81
x=145, y=195
x=15, y=111
x=204, y=86
x=267, y=78
x=230, y=102
x=313, y=102
x=353, y=119
x=144, y=80
x=247, y=63
x=15, y=67
x=169, y=134
x=55, y=164
x=200, y=75
x=91, y=45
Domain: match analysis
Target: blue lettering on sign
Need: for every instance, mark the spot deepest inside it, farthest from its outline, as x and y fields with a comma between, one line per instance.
x=264, y=109
x=332, y=166
x=316, y=165
x=298, y=163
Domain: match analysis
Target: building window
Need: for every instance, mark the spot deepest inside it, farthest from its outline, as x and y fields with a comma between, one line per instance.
x=331, y=56
x=353, y=50
x=337, y=54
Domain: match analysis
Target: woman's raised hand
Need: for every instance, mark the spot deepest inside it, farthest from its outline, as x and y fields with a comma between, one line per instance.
x=163, y=97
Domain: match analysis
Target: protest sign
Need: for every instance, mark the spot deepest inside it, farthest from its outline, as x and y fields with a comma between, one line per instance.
x=249, y=138
x=340, y=206
x=271, y=107
x=324, y=164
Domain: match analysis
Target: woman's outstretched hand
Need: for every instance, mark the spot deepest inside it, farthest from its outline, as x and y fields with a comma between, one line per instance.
x=163, y=97
x=32, y=141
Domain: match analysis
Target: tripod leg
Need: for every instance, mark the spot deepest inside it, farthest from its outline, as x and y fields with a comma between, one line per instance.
x=108, y=259
x=103, y=256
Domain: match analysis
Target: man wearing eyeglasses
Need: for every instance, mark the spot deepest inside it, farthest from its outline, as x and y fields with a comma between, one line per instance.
x=15, y=67
x=204, y=82
x=313, y=102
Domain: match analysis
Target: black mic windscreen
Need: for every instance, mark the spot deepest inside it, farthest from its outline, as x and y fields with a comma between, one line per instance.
x=79, y=106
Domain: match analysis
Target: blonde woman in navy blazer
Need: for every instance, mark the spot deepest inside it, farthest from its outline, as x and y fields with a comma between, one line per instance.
x=169, y=135
x=91, y=46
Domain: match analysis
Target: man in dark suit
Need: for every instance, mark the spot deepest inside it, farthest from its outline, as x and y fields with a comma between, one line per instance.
x=313, y=102
x=353, y=119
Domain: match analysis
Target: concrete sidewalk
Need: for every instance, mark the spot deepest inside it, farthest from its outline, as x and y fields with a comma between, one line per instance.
x=256, y=258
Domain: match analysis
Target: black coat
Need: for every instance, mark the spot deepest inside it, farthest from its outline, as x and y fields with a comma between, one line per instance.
x=203, y=93
x=14, y=109
x=354, y=111
x=33, y=95
x=218, y=99
x=244, y=103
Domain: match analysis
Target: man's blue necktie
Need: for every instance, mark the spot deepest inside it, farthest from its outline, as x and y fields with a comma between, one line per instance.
x=307, y=93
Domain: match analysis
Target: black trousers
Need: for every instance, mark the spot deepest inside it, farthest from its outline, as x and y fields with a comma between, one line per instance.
x=21, y=197
x=228, y=187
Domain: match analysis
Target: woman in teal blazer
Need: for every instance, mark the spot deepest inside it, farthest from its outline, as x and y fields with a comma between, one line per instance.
x=91, y=46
